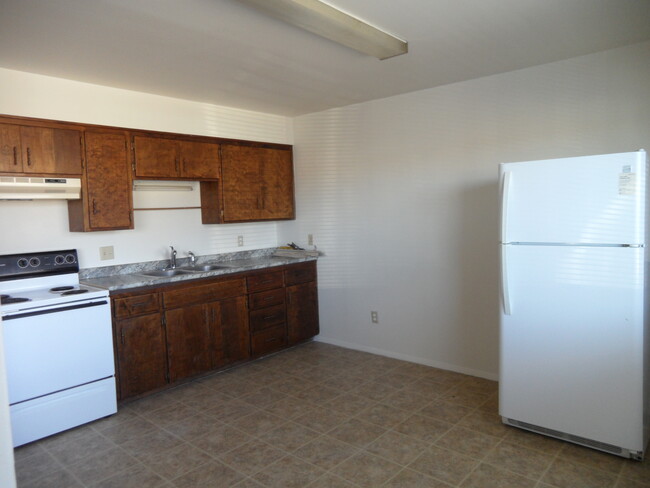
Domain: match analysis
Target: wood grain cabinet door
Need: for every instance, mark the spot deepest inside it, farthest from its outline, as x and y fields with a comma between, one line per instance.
x=156, y=157
x=11, y=159
x=51, y=151
x=108, y=182
x=241, y=173
x=302, y=312
x=141, y=355
x=231, y=333
x=199, y=160
x=276, y=185
x=189, y=341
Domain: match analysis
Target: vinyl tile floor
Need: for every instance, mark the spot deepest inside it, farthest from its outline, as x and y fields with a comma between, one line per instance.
x=318, y=416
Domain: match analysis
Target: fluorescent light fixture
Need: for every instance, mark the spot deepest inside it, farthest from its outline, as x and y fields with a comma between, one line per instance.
x=142, y=185
x=326, y=21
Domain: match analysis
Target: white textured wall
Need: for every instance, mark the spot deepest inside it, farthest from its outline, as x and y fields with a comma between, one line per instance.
x=401, y=194
x=37, y=226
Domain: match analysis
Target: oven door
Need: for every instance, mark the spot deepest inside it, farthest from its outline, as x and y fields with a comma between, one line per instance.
x=57, y=348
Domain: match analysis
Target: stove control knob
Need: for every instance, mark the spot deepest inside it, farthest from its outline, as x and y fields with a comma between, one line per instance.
x=34, y=262
x=69, y=258
x=23, y=263
x=59, y=259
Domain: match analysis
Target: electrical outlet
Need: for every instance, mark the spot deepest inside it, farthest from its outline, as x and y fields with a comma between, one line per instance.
x=106, y=253
x=374, y=317
x=310, y=239
x=240, y=241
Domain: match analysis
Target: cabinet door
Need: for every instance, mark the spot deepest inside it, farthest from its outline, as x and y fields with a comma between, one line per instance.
x=11, y=160
x=277, y=184
x=302, y=312
x=188, y=341
x=141, y=355
x=51, y=151
x=199, y=160
x=231, y=335
x=107, y=178
x=156, y=158
x=242, y=199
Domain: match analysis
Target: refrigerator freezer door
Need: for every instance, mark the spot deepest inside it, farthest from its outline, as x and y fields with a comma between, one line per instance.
x=594, y=199
x=572, y=346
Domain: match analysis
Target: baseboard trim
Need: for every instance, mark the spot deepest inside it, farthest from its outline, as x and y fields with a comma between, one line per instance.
x=406, y=357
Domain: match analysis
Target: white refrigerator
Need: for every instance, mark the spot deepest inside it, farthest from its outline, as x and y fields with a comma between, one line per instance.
x=574, y=334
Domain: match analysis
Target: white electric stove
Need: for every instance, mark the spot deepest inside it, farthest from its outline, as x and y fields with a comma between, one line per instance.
x=58, y=345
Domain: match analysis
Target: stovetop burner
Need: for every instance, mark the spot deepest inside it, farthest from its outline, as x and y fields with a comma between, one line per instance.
x=61, y=288
x=6, y=300
x=74, y=292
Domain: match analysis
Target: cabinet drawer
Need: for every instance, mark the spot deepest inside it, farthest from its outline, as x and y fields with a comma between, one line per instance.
x=300, y=273
x=266, y=299
x=137, y=305
x=204, y=293
x=269, y=340
x=267, y=317
x=265, y=281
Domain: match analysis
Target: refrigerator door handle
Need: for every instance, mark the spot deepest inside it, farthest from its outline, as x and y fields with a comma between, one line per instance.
x=505, y=291
x=505, y=193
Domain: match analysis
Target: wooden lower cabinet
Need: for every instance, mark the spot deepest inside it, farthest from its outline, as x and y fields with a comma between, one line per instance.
x=188, y=341
x=172, y=332
x=141, y=355
x=205, y=337
x=302, y=312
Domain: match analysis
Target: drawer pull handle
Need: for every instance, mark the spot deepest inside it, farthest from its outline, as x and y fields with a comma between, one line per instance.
x=268, y=317
x=272, y=297
x=266, y=281
x=273, y=339
x=139, y=304
x=29, y=157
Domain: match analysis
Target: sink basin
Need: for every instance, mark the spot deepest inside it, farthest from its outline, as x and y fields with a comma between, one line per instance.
x=164, y=272
x=203, y=267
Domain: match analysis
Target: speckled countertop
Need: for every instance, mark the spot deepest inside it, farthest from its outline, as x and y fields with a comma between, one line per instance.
x=123, y=277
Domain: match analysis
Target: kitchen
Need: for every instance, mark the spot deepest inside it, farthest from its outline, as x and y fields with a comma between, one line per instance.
x=400, y=193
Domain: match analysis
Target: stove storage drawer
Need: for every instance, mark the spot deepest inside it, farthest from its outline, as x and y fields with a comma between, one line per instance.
x=136, y=305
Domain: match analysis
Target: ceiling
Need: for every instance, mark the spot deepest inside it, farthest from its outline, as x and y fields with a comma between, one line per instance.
x=227, y=53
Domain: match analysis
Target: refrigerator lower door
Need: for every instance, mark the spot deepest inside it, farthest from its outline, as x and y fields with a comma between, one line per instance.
x=572, y=344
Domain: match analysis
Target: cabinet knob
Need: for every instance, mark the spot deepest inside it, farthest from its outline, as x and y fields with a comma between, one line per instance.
x=94, y=206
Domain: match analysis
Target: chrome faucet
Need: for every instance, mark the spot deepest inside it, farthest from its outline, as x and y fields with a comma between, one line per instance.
x=172, y=258
x=192, y=258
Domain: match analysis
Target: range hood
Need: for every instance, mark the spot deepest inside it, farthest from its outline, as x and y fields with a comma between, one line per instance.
x=36, y=188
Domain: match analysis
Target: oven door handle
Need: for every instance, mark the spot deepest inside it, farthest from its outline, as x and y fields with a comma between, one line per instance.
x=21, y=315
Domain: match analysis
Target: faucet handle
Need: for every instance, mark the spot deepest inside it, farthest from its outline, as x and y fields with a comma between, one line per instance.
x=192, y=257
x=173, y=250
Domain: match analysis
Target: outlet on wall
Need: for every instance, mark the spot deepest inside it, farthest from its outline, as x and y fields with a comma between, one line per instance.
x=106, y=253
x=374, y=317
x=310, y=239
x=240, y=241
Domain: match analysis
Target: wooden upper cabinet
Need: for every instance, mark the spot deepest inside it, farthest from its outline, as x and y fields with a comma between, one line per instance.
x=157, y=157
x=106, y=202
x=199, y=160
x=40, y=150
x=11, y=158
x=257, y=184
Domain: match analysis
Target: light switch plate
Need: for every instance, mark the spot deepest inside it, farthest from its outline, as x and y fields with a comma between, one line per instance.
x=106, y=253
x=240, y=241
